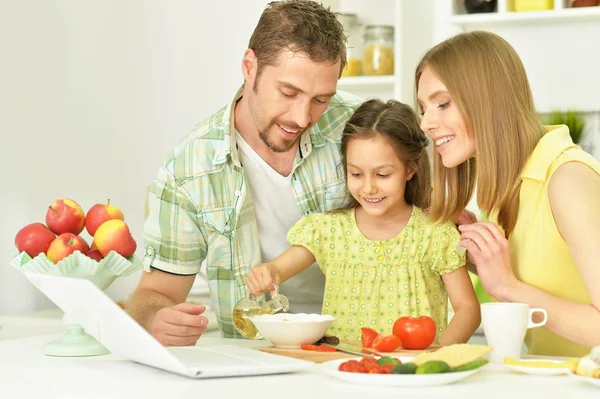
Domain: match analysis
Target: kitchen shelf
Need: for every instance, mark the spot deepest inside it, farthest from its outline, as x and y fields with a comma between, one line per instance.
x=376, y=12
x=510, y=17
x=351, y=82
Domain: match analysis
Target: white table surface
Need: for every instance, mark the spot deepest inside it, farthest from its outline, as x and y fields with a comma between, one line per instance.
x=26, y=372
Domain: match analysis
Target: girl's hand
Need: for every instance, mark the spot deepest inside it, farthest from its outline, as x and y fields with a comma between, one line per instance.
x=263, y=278
x=489, y=250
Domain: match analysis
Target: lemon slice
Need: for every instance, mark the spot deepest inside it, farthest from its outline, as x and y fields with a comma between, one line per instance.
x=571, y=363
x=587, y=367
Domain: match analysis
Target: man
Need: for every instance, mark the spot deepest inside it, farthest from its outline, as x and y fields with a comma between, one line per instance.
x=233, y=187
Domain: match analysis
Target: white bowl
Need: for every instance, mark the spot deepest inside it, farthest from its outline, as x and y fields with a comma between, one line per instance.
x=287, y=330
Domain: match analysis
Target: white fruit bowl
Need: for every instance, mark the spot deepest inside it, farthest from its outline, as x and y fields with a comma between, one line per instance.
x=76, y=342
x=287, y=330
x=78, y=265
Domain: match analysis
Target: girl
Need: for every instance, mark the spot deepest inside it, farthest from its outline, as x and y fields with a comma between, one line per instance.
x=381, y=257
x=540, y=190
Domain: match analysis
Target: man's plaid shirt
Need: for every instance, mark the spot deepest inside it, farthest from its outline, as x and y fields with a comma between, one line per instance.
x=200, y=206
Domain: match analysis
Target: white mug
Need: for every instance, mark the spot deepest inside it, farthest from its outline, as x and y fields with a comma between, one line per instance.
x=505, y=325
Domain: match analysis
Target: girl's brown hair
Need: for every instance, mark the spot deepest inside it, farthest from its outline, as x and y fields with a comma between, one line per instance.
x=488, y=83
x=399, y=125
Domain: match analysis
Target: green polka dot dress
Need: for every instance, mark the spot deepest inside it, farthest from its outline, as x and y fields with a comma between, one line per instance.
x=372, y=283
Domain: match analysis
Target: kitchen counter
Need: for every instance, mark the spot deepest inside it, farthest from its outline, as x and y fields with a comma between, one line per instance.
x=26, y=372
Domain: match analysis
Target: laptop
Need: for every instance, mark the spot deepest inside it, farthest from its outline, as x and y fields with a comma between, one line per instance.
x=103, y=319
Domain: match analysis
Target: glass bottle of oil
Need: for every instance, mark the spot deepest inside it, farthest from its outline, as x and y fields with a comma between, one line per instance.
x=244, y=309
x=251, y=306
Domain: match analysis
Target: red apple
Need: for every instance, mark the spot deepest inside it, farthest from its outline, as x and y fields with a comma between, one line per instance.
x=114, y=235
x=86, y=246
x=64, y=245
x=99, y=214
x=65, y=216
x=34, y=239
x=95, y=254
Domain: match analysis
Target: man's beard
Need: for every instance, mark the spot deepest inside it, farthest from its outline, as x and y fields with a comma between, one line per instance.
x=285, y=146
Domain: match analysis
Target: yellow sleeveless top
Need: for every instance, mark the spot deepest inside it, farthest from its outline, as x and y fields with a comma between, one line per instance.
x=540, y=256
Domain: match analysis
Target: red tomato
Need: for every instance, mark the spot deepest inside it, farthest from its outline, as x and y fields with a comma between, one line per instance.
x=368, y=362
x=387, y=368
x=367, y=337
x=376, y=370
x=345, y=367
x=325, y=348
x=386, y=343
x=351, y=366
x=415, y=333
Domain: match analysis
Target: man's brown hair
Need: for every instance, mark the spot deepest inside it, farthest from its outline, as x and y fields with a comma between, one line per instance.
x=298, y=25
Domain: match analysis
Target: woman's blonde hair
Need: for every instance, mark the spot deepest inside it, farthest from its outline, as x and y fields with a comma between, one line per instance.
x=488, y=83
x=399, y=125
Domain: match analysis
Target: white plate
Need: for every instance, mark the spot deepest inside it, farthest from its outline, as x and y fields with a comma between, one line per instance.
x=539, y=370
x=591, y=380
x=401, y=380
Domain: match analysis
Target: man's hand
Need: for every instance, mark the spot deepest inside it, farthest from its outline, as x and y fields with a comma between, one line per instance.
x=179, y=325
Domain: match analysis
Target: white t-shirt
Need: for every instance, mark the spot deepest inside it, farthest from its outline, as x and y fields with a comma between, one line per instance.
x=276, y=212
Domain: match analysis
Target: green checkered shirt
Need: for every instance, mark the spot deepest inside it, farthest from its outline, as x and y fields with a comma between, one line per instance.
x=200, y=206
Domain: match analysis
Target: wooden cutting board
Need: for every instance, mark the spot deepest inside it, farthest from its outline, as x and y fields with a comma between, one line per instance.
x=320, y=357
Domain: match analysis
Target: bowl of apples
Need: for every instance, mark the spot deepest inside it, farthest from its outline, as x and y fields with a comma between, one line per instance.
x=59, y=248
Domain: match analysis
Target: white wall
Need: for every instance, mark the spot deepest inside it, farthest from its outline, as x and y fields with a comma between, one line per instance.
x=93, y=94
x=563, y=65
x=562, y=60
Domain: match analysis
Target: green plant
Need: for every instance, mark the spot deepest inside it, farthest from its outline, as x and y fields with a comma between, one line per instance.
x=573, y=119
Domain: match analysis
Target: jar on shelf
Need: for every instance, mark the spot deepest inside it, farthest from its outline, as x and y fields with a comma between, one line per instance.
x=480, y=6
x=533, y=5
x=354, y=46
x=378, y=57
x=583, y=3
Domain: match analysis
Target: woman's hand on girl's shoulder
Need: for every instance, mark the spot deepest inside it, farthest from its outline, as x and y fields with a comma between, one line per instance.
x=466, y=217
x=489, y=250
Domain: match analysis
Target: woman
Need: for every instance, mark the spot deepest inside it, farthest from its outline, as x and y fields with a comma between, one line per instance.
x=542, y=246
